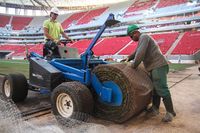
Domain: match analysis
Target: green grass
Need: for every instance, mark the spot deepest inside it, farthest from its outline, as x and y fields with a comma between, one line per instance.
x=179, y=67
x=22, y=66
x=14, y=66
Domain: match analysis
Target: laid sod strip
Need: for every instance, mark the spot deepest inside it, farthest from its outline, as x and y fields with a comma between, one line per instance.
x=14, y=66
x=22, y=66
x=179, y=67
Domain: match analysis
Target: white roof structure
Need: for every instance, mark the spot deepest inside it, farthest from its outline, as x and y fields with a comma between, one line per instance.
x=61, y=3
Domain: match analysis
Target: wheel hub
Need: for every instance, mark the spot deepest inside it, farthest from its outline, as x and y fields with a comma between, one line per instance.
x=64, y=105
x=7, y=88
x=117, y=97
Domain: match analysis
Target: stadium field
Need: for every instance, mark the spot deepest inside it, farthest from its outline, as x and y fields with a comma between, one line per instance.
x=14, y=66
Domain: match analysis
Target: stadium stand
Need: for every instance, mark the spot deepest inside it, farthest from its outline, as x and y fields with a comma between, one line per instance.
x=19, y=23
x=73, y=19
x=165, y=3
x=91, y=15
x=38, y=48
x=13, y=48
x=129, y=49
x=37, y=21
x=20, y=50
x=189, y=44
x=81, y=45
x=4, y=20
x=110, y=46
x=165, y=40
x=164, y=20
x=141, y=5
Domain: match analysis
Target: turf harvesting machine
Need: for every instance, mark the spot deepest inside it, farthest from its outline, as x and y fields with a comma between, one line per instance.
x=85, y=85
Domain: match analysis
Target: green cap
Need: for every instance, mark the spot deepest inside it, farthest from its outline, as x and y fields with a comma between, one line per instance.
x=132, y=28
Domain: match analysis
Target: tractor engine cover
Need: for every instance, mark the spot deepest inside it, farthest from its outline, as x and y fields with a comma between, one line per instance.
x=43, y=74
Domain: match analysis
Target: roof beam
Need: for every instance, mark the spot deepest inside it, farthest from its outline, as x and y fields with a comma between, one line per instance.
x=32, y=2
x=4, y=2
x=47, y=3
x=22, y=3
x=40, y=3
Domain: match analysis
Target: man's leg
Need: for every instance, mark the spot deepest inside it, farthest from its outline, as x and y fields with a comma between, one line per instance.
x=154, y=109
x=156, y=100
x=56, y=53
x=50, y=49
x=169, y=108
x=159, y=78
x=45, y=49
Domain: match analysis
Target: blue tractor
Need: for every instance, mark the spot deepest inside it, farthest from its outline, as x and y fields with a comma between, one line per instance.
x=85, y=85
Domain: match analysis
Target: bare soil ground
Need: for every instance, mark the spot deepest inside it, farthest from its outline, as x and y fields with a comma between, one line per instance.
x=185, y=90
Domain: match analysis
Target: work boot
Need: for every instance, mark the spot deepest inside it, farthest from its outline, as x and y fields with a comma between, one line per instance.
x=169, y=108
x=168, y=117
x=153, y=111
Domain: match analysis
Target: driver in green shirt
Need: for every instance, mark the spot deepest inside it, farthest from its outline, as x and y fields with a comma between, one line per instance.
x=53, y=31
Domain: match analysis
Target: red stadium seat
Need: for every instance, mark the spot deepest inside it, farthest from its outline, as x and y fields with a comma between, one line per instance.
x=165, y=40
x=189, y=44
x=140, y=5
x=129, y=49
x=165, y=3
x=81, y=45
x=110, y=46
x=19, y=23
x=91, y=15
x=4, y=20
x=73, y=18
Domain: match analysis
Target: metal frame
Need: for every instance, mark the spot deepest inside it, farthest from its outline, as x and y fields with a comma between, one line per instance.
x=80, y=69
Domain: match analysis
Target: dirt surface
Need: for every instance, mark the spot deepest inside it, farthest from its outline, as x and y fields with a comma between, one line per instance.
x=185, y=90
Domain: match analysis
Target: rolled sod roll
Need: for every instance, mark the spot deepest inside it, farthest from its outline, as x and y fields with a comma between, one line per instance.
x=136, y=88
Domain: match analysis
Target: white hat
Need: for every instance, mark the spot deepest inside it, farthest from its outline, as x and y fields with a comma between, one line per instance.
x=55, y=10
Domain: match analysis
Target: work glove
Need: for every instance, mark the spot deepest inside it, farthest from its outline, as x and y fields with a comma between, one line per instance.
x=57, y=41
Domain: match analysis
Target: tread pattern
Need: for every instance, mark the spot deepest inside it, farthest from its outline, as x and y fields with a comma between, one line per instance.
x=81, y=97
x=19, y=87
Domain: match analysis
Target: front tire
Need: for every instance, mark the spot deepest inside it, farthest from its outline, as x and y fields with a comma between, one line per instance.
x=71, y=100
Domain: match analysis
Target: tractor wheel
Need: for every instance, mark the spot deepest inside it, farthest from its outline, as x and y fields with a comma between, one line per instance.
x=71, y=100
x=15, y=87
x=135, y=91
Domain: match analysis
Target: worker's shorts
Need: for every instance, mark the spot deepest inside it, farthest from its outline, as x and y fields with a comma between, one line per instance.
x=159, y=79
x=51, y=47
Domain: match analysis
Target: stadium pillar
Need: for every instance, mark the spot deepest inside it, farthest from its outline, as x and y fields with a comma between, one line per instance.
x=25, y=12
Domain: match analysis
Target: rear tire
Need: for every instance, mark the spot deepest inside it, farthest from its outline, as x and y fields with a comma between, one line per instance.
x=71, y=100
x=15, y=87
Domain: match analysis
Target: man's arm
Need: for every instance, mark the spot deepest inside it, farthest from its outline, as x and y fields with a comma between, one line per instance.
x=66, y=37
x=132, y=56
x=141, y=51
